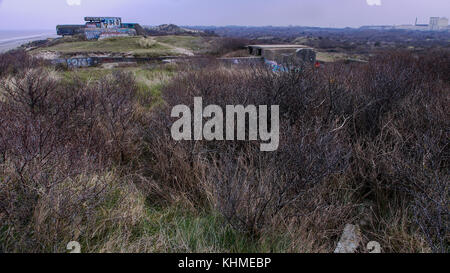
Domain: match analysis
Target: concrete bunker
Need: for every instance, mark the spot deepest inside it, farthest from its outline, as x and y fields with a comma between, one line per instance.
x=101, y=27
x=283, y=56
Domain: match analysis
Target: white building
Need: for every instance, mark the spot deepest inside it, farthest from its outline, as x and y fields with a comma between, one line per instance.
x=438, y=23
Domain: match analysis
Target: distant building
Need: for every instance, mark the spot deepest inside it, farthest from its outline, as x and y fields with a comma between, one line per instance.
x=100, y=27
x=438, y=23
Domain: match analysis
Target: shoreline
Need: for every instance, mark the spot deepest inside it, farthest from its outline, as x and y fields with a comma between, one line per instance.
x=15, y=42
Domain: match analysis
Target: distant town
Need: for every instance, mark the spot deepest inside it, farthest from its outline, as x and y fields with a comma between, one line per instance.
x=436, y=24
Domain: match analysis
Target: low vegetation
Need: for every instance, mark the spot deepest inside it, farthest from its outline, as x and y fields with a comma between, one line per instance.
x=347, y=39
x=147, y=42
x=193, y=43
x=91, y=158
x=134, y=46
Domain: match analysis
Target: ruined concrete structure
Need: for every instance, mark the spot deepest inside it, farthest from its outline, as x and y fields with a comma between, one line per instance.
x=282, y=56
x=100, y=28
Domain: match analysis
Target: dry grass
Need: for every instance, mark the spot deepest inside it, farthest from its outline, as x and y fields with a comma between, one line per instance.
x=147, y=42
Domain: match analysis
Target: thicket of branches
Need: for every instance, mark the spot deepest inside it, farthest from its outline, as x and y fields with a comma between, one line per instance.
x=379, y=131
x=359, y=143
x=57, y=142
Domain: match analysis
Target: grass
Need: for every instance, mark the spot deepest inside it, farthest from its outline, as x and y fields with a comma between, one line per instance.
x=87, y=74
x=150, y=80
x=176, y=230
x=138, y=46
x=128, y=45
x=196, y=44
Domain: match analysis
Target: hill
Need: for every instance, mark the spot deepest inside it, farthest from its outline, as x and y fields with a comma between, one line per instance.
x=122, y=46
x=171, y=29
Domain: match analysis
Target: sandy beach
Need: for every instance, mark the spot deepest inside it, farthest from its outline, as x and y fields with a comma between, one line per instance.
x=12, y=39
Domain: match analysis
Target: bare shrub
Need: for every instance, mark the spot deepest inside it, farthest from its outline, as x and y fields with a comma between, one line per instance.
x=17, y=60
x=370, y=125
x=400, y=149
x=226, y=45
x=248, y=187
x=358, y=141
x=55, y=138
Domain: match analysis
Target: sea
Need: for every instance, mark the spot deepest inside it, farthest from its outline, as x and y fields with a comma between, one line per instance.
x=10, y=39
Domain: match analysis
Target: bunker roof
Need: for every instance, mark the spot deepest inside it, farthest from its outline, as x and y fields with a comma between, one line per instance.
x=101, y=18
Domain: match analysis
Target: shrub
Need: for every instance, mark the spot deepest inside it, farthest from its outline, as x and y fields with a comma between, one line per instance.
x=360, y=143
x=147, y=42
x=369, y=126
x=17, y=60
x=58, y=145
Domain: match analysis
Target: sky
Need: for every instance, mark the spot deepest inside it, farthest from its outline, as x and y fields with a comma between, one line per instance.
x=46, y=14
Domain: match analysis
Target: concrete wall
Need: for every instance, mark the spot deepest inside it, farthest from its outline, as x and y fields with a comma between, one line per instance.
x=241, y=60
x=96, y=33
x=299, y=56
x=76, y=62
x=287, y=54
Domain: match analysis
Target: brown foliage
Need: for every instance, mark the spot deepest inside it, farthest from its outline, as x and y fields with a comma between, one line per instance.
x=352, y=137
x=51, y=135
x=379, y=126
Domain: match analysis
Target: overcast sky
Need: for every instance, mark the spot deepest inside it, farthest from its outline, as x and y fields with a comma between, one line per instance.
x=46, y=14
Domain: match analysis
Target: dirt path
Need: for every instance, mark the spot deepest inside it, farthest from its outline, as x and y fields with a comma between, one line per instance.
x=179, y=50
